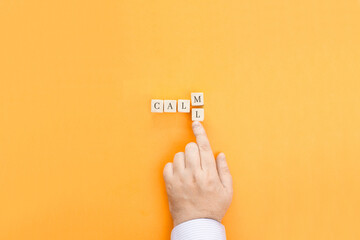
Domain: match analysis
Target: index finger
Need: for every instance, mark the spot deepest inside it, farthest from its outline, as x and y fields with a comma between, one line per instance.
x=206, y=155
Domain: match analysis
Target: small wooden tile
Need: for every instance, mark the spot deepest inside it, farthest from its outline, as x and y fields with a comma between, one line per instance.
x=197, y=114
x=197, y=99
x=157, y=105
x=170, y=106
x=183, y=106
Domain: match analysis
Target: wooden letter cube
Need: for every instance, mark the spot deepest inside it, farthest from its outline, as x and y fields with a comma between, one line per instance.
x=183, y=106
x=157, y=105
x=197, y=114
x=170, y=106
x=197, y=99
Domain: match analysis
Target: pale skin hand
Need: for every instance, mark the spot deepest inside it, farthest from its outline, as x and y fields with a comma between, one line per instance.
x=198, y=186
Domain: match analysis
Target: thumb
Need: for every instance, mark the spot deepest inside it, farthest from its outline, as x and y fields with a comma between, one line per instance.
x=223, y=170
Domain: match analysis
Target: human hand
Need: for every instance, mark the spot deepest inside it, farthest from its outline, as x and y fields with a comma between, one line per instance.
x=196, y=185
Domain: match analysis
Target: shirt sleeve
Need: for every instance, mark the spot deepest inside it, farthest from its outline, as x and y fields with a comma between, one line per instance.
x=199, y=229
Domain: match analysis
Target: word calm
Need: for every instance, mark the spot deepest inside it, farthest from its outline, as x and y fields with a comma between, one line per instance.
x=183, y=106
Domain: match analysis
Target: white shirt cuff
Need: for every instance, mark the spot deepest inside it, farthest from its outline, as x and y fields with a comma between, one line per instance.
x=199, y=229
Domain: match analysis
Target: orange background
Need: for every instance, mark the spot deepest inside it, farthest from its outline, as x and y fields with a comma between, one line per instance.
x=81, y=156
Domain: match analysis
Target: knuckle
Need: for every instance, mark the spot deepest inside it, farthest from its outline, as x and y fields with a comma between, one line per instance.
x=204, y=147
x=198, y=175
x=211, y=181
x=225, y=169
x=210, y=188
x=212, y=178
x=188, y=179
x=169, y=187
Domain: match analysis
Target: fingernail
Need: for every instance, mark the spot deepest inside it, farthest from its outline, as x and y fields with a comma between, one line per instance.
x=222, y=155
x=196, y=124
